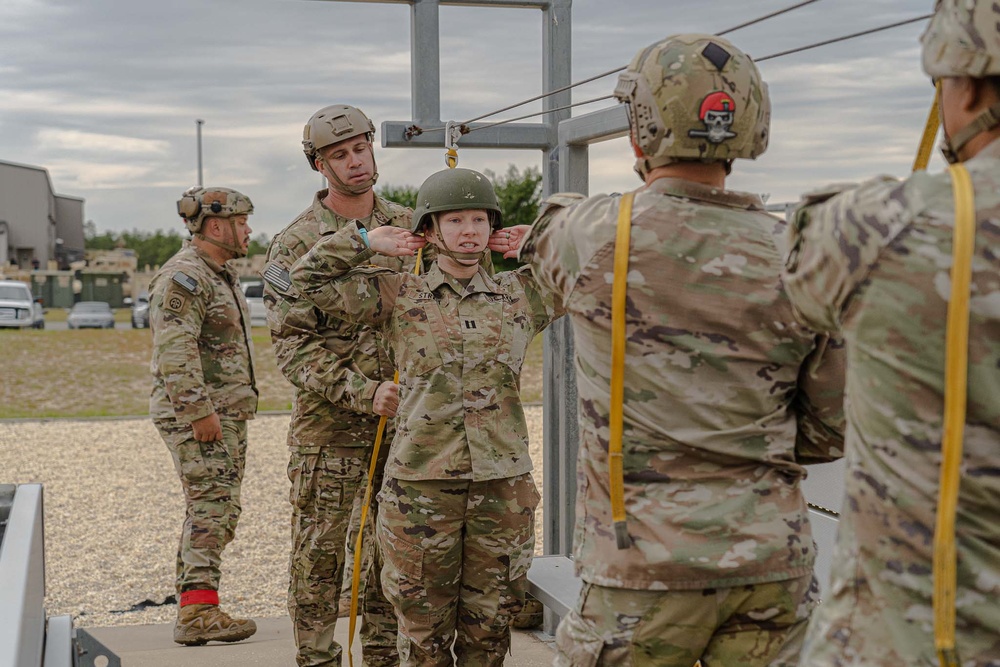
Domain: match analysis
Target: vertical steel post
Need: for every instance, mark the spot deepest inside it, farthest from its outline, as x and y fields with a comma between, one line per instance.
x=198, y=123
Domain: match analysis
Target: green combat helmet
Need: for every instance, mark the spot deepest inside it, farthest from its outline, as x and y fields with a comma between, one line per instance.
x=331, y=125
x=455, y=190
x=198, y=203
x=962, y=40
x=694, y=97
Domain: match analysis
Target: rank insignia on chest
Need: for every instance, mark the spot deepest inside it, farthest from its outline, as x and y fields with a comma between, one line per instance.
x=469, y=325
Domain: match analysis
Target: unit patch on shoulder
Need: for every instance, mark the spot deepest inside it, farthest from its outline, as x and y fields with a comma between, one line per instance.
x=277, y=277
x=174, y=300
x=186, y=281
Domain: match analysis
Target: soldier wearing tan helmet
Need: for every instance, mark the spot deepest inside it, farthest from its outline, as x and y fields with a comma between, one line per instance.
x=203, y=394
x=343, y=382
x=875, y=262
x=725, y=395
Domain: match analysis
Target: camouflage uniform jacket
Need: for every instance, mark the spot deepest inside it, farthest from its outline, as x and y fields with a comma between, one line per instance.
x=874, y=262
x=459, y=353
x=335, y=365
x=725, y=394
x=202, y=350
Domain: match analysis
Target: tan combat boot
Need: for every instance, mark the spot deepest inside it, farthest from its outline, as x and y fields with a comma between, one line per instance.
x=201, y=623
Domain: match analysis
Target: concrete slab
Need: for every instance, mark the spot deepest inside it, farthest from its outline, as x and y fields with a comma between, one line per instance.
x=272, y=646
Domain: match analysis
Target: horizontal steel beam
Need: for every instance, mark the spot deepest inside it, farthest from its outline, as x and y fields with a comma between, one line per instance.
x=510, y=135
x=517, y=4
x=594, y=127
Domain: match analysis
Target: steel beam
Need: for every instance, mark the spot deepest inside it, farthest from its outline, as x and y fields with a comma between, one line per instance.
x=22, y=580
x=511, y=135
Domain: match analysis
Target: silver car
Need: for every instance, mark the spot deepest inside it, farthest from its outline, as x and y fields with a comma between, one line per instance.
x=140, y=311
x=91, y=315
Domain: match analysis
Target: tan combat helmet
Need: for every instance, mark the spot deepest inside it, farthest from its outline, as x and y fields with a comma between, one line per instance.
x=198, y=203
x=334, y=124
x=962, y=40
x=694, y=97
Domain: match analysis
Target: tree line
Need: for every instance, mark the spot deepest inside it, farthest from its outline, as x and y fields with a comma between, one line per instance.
x=519, y=194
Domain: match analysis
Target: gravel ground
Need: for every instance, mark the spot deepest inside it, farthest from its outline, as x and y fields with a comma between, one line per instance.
x=113, y=511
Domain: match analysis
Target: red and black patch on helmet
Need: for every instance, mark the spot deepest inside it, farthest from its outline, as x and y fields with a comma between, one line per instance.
x=717, y=112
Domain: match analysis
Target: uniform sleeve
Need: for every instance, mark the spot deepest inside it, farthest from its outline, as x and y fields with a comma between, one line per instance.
x=544, y=308
x=549, y=248
x=300, y=351
x=834, y=243
x=333, y=277
x=819, y=403
x=176, y=316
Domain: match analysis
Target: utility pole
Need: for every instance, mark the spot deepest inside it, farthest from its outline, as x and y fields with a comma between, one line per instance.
x=198, y=123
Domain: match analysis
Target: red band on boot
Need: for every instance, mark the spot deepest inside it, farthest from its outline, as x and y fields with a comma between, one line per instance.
x=199, y=597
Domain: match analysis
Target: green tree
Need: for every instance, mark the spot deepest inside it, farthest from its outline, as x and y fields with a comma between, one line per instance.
x=406, y=195
x=519, y=194
x=258, y=245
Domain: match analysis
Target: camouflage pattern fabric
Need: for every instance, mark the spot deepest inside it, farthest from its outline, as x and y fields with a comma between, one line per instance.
x=211, y=475
x=457, y=557
x=755, y=625
x=720, y=382
x=335, y=367
x=458, y=349
x=202, y=358
x=874, y=263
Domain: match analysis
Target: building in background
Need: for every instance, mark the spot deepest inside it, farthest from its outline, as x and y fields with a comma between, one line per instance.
x=39, y=229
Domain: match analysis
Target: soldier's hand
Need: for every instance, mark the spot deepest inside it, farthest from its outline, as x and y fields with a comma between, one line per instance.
x=207, y=429
x=508, y=240
x=386, y=399
x=394, y=241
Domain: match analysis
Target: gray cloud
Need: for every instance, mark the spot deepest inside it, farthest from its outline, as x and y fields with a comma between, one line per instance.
x=105, y=93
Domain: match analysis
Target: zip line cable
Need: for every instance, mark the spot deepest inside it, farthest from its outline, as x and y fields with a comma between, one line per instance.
x=413, y=130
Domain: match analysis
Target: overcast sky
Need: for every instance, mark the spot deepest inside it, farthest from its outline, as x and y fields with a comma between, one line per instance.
x=105, y=93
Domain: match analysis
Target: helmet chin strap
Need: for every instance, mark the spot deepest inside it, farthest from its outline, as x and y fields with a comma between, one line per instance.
x=987, y=120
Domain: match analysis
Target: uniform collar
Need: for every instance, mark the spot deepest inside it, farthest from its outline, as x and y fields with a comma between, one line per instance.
x=481, y=281
x=678, y=187
x=205, y=257
x=330, y=221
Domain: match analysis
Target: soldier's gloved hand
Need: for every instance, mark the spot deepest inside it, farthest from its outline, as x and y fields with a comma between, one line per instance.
x=394, y=241
x=508, y=240
x=386, y=400
x=207, y=429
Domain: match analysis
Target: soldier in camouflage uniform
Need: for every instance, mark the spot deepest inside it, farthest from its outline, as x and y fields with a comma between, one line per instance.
x=343, y=382
x=874, y=262
x=456, y=512
x=726, y=396
x=203, y=394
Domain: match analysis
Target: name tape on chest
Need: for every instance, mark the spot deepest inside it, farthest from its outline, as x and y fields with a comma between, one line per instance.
x=186, y=281
x=277, y=276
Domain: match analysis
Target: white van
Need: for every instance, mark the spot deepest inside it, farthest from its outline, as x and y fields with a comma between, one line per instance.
x=17, y=307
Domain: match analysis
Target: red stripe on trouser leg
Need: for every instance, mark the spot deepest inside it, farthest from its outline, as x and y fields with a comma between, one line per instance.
x=199, y=597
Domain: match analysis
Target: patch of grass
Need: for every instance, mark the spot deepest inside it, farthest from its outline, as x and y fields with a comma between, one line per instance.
x=105, y=373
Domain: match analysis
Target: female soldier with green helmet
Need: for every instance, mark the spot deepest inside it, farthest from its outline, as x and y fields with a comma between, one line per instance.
x=456, y=511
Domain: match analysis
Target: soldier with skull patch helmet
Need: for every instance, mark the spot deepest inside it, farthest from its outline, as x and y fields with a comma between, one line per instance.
x=726, y=396
x=343, y=382
x=204, y=392
x=875, y=262
x=456, y=511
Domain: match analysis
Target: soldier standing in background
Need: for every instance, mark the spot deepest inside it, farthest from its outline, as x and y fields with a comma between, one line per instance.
x=726, y=396
x=874, y=262
x=203, y=394
x=343, y=382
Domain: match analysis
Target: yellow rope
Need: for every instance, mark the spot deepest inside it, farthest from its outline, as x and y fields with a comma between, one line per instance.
x=619, y=290
x=930, y=132
x=359, y=542
x=955, y=383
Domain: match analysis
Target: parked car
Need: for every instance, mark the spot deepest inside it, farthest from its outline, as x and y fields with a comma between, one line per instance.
x=91, y=315
x=140, y=311
x=254, y=293
x=18, y=309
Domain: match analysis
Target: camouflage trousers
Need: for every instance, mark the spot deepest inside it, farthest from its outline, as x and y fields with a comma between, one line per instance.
x=325, y=481
x=457, y=554
x=750, y=626
x=211, y=474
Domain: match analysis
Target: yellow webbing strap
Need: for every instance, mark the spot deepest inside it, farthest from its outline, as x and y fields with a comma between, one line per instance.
x=359, y=542
x=955, y=385
x=930, y=131
x=618, y=291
